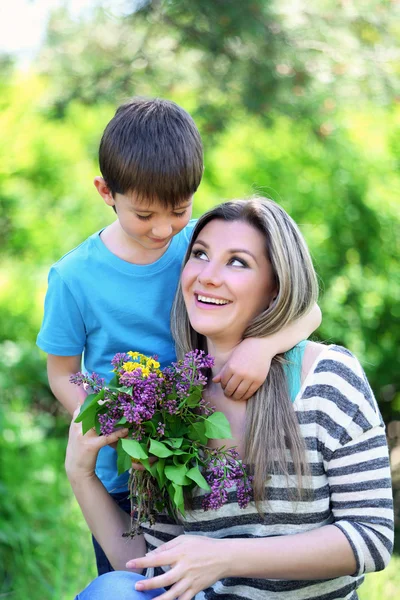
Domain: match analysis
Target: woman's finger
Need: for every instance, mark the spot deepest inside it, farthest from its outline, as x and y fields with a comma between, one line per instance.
x=161, y=559
x=161, y=581
x=76, y=413
x=112, y=437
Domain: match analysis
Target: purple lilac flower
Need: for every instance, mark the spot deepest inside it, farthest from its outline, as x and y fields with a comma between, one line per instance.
x=161, y=429
x=119, y=359
x=224, y=472
x=147, y=396
x=92, y=381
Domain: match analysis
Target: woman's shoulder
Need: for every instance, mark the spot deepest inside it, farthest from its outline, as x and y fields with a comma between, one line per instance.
x=331, y=358
x=335, y=376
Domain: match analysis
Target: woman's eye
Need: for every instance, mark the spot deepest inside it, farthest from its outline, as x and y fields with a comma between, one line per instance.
x=238, y=262
x=199, y=254
x=143, y=218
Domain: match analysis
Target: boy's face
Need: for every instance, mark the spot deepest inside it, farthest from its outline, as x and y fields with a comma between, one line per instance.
x=149, y=225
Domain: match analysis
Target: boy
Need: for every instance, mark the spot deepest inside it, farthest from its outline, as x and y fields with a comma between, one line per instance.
x=114, y=292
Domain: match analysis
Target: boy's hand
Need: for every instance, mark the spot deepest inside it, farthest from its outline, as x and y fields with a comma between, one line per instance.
x=246, y=370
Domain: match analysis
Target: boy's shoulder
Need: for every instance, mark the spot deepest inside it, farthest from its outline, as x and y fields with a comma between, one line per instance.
x=79, y=256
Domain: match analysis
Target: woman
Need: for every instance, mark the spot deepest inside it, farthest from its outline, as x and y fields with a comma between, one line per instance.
x=323, y=514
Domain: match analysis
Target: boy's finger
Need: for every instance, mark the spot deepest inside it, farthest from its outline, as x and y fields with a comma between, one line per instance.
x=250, y=392
x=231, y=386
x=242, y=391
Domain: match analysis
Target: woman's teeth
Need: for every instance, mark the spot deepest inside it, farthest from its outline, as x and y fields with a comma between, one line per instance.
x=212, y=300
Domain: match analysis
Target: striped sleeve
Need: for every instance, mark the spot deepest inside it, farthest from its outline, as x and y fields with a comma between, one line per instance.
x=358, y=468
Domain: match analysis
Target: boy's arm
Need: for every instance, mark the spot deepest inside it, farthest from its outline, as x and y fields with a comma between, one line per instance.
x=59, y=370
x=248, y=366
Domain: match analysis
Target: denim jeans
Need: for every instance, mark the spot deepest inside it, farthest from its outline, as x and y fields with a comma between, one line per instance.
x=117, y=585
x=103, y=564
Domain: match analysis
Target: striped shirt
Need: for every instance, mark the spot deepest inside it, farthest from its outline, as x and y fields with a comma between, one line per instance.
x=349, y=487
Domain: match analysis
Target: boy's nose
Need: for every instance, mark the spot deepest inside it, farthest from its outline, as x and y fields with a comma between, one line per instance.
x=162, y=231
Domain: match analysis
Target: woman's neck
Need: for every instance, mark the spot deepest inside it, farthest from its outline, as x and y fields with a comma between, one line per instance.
x=221, y=351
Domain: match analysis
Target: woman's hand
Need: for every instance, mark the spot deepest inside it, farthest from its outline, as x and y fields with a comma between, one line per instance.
x=196, y=563
x=138, y=465
x=82, y=450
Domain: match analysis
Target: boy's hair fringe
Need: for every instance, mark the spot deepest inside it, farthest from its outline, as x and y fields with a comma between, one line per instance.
x=153, y=148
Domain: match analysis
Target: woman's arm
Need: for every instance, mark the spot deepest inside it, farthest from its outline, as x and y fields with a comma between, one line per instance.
x=198, y=562
x=105, y=519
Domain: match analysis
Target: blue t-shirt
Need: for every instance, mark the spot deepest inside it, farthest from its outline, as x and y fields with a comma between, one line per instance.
x=98, y=304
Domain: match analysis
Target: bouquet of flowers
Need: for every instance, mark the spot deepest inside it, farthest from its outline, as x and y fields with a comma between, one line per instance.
x=168, y=419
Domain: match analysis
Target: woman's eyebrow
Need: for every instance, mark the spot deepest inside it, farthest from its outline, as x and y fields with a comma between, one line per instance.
x=231, y=250
x=236, y=250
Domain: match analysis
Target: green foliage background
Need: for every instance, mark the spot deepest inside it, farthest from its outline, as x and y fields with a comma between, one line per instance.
x=297, y=106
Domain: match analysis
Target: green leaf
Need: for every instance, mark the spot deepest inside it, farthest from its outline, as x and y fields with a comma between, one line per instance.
x=149, y=427
x=177, y=428
x=90, y=402
x=180, y=457
x=160, y=464
x=146, y=463
x=178, y=498
x=159, y=449
x=197, y=433
x=124, y=461
x=198, y=478
x=177, y=474
x=174, y=442
x=194, y=398
x=125, y=390
x=113, y=383
x=89, y=419
x=134, y=449
x=122, y=421
x=217, y=426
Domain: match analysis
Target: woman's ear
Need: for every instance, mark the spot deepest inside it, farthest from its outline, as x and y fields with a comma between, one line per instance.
x=273, y=299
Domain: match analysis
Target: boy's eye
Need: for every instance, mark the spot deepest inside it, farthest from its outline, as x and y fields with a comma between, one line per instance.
x=144, y=217
x=238, y=262
x=199, y=254
x=179, y=214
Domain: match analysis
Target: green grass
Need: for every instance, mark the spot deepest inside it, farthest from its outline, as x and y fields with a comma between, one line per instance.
x=384, y=585
x=45, y=546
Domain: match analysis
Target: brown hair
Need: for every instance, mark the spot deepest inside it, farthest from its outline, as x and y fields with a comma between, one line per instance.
x=271, y=424
x=152, y=147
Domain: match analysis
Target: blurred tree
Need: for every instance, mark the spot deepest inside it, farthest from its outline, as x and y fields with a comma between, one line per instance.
x=260, y=57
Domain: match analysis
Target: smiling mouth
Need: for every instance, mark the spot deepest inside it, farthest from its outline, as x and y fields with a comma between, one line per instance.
x=207, y=300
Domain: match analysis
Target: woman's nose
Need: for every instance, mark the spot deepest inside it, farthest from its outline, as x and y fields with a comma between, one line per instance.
x=210, y=274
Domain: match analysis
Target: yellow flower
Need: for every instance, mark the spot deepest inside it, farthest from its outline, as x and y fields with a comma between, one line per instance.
x=134, y=355
x=153, y=363
x=131, y=366
x=145, y=371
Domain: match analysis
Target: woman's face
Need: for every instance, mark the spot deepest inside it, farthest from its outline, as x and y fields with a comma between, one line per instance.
x=227, y=280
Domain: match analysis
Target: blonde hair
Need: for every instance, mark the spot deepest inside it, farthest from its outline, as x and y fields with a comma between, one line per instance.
x=271, y=424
